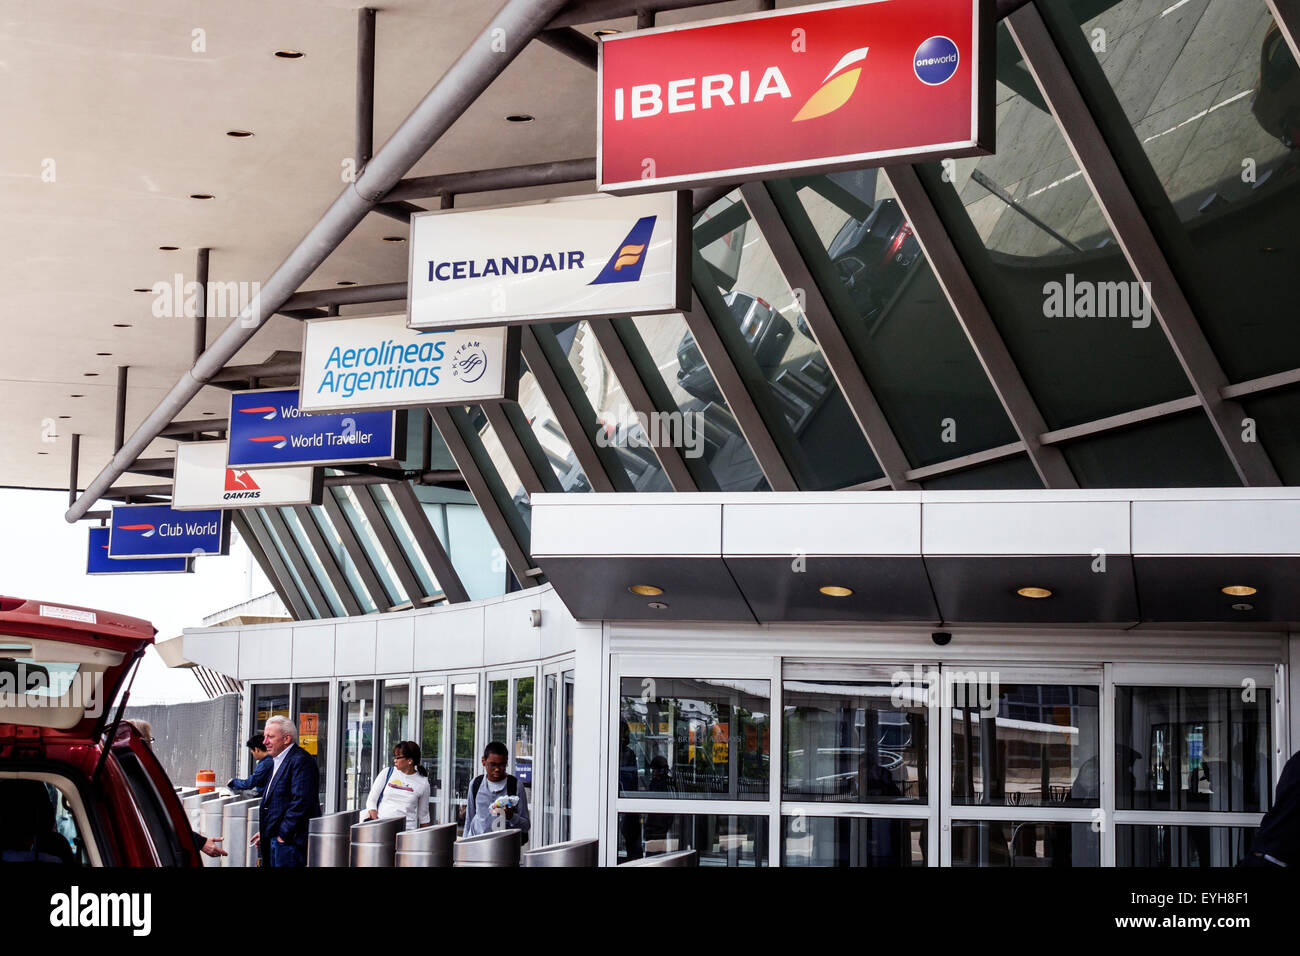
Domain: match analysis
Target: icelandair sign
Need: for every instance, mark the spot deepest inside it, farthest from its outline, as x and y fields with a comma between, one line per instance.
x=204, y=480
x=809, y=89
x=588, y=256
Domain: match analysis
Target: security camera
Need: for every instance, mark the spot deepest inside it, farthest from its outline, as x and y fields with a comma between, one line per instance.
x=941, y=637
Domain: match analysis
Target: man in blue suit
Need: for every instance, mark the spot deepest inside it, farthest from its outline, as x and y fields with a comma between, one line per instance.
x=290, y=798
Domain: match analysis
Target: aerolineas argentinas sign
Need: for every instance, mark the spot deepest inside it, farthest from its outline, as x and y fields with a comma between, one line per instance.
x=588, y=256
x=808, y=89
x=377, y=362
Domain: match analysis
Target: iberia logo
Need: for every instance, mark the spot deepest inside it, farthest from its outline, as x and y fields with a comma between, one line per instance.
x=836, y=88
x=240, y=481
x=279, y=440
x=148, y=529
x=628, y=259
x=266, y=411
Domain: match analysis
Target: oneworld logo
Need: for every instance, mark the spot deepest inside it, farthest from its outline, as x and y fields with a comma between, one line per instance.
x=626, y=262
x=936, y=61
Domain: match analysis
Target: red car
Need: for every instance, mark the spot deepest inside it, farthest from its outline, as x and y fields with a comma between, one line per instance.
x=78, y=785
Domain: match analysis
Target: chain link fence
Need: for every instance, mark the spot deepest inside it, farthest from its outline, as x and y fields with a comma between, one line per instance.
x=190, y=737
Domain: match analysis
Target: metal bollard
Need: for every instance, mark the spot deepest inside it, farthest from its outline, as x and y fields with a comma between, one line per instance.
x=210, y=822
x=193, y=805
x=427, y=846
x=234, y=830
x=573, y=853
x=679, y=858
x=374, y=843
x=252, y=856
x=494, y=848
x=327, y=838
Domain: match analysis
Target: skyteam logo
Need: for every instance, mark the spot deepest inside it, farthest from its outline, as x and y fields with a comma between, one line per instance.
x=469, y=363
x=936, y=61
x=836, y=88
x=148, y=529
x=266, y=411
x=628, y=259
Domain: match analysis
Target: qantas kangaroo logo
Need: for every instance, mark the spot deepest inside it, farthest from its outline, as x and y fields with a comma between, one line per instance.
x=237, y=480
x=836, y=89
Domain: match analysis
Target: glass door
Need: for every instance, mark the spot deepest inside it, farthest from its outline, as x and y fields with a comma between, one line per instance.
x=463, y=743
x=433, y=744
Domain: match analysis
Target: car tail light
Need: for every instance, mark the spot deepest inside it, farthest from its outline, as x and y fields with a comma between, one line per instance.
x=900, y=237
x=762, y=302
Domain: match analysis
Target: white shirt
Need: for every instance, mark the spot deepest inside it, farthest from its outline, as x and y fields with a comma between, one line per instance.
x=406, y=795
x=276, y=761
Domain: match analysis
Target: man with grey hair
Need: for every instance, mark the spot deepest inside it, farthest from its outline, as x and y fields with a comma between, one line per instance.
x=289, y=800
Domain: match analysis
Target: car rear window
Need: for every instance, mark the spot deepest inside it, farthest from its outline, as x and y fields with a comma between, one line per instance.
x=151, y=807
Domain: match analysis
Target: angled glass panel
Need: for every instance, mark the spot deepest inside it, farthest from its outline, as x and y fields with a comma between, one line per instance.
x=1056, y=283
x=405, y=539
x=1276, y=416
x=549, y=433
x=1210, y=89
x=691, y=384
x=620, y=427
x=344, y=559
x=501, y=462
x=1010, y=473
x=759, y=300
x=281, y=549
x=882, y=291
x=313, y=563
x=1180, y=451
x=369, y=542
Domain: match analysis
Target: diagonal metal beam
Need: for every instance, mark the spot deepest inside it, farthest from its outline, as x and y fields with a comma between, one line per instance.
x=315, y=593
x=977, y=323
x=488, y=492
x=259, y=542
x=325, y=557
x=389, y=545
x=352, y=545
x=439, y=561
x=575, y=45
x=491, y=180
x=532, y=447
x=830, y=337
x=1286, y=14
x=529, y=474
x=670, y=457
x=1138, y=242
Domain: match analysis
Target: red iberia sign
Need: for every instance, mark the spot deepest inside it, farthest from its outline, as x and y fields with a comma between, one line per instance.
x=809, y=89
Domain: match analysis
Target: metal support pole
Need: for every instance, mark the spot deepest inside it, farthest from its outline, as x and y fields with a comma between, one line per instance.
x=119, y=420
x=73, y=464
x=200, y=306
x=365, y=141
x=488, y=55
x=491, y=180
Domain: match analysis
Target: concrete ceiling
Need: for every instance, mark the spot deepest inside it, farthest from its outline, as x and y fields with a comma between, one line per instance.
x=134, y=120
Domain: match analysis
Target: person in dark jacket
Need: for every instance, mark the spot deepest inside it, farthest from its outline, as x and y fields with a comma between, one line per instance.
x=291, y=797
x=1277, y=841
x=255, y=782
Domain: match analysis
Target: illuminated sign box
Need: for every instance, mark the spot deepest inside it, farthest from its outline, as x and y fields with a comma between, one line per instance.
x=268, y=429
x=204, y=480
x=98, y=561
x=808, y=89
x=377, y=362
x=160, y=531
x=580, y=257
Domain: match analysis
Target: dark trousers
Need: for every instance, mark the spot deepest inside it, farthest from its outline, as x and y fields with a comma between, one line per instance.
x=275, y=853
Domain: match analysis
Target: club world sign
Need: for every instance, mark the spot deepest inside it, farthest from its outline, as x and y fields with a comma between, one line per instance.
x=815, y=88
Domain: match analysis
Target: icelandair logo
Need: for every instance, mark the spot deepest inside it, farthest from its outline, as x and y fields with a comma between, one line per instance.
x=626, y=262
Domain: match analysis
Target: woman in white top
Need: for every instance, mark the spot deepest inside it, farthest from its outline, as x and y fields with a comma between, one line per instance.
x=402, y=791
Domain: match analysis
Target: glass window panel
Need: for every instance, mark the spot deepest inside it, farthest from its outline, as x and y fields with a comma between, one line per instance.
x=880, y=286
x=522, y=752
x=566, y=775
x=719, y=840
x=312, y=715
x=550, y=826
x=1023, y=744
x=854, y=742
x=1011, y=843
x=405, y=538
x=1275, y=415
x=691, y=384
x=700, y=739
x=396, y=717
x=1192, y=748
x=549, y=434
x=313, y=563
x=1209, y=89
x=620, y=427
x=498, y=710
x=1010, y=473
x=1036, y=242
x=501, y=462
x=853, y=842
x=345, y=496
x=269, y=700
x=1180, y=451
x=282, y=550
x=761, y=303
x=474, y=552
x=433, y=711
x=349, y=567
x=1166, y=846
x=465, y=714
x=356, y=769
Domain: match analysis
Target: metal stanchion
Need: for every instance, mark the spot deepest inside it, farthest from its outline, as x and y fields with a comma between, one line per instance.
x=234, y=830
x=374, y=842
x=211, y=821
x=251, y=853
x=427, y=846
x=327, y=838
x=572, y=853
x=680, y=858
x=193, y=807
x=495, y=848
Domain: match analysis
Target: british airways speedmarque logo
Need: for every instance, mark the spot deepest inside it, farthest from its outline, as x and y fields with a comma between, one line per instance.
x=148, y=529
x=266, y=411
x=628, y=259
x=279, y=440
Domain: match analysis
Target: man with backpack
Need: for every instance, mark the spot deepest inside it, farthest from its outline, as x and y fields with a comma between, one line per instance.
x=488, y=788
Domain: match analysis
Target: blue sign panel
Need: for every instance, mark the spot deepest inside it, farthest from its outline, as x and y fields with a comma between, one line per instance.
x=266, y=428
x=157, y=531
x=98, y=561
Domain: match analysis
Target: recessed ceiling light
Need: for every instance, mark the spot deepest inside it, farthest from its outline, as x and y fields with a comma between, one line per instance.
x=42, y=453
x=658, y=605
x=1243, y=607
x=645, y=590
x=604, y=32
x=142, y=290
x=168, y=248
x=834, y=590
x=238, y=133
x=394, y=238
x=519, y=118
x=345, y=282
x=289, y=54
x=1238, y=590
x=104, y=354
x=202, y=196
x=1034, y=592
x=90, y=374
x=65, y=416
x=121, y=325
x=76, y=396
x=209, y=413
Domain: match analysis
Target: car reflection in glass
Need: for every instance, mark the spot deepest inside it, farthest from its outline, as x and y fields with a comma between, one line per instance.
x=766, y=331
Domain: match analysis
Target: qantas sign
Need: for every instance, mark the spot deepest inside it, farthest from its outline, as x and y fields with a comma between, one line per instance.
x=809, y=89
x=204, y=481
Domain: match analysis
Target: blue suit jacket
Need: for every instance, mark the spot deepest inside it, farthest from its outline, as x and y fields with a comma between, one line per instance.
x=290, y=800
